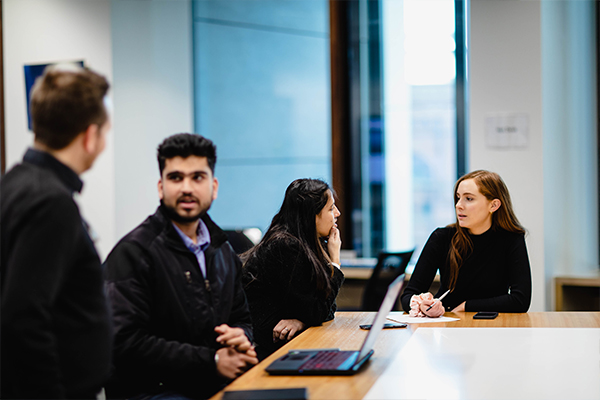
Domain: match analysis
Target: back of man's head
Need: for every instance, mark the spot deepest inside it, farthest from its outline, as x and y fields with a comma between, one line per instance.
x=184, y=145
x=64, y=103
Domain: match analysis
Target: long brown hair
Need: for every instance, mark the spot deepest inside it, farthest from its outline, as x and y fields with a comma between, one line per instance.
x=492, y=187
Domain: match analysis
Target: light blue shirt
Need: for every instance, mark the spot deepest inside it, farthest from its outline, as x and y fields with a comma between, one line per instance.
x=203, y=238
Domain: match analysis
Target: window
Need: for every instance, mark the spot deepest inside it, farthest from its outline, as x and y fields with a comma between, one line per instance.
x=406, y=83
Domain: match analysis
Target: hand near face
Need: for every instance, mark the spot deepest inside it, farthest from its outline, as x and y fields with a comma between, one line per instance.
x=326, y=224
x=286, y=329
x=334, y=244
x=232, y=363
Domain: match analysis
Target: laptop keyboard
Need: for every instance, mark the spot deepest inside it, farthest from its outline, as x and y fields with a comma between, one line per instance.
x=326, y=360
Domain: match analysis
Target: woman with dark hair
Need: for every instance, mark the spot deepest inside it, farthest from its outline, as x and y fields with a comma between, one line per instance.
x=293, y=276
x=482, y=257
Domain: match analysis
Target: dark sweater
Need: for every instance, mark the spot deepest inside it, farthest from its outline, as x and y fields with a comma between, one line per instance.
x=495, y=277
x=55, y=339
x=279, y=285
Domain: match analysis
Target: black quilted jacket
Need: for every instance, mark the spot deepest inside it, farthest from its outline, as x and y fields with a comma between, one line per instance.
x=165, y=311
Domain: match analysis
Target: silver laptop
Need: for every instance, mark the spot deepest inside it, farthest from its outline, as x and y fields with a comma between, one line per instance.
x=336, y=361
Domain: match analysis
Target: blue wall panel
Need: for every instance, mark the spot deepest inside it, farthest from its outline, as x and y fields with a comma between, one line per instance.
x=262, y=94
x=251, y=195
x=302, y=15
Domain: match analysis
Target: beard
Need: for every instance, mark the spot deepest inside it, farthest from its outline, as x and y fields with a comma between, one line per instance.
x=173, y=215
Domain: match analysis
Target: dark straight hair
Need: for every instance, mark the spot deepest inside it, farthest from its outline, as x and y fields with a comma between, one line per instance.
x=184, y=145
x=304, y=199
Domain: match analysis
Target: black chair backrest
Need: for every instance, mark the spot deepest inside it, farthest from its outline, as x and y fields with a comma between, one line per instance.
x=239, y=241
x=389, y=267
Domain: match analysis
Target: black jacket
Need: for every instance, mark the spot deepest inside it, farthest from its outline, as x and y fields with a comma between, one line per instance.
x=55, y=340
x=279, y=284
x=165, y=312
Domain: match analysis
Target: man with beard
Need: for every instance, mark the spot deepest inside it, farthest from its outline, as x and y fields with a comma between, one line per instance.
x=182, y=324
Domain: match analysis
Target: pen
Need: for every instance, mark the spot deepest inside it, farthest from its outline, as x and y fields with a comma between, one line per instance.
x=441, y=297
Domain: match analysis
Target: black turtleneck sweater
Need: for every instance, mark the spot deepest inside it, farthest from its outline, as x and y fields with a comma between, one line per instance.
x=55, y=339
x=495, y=277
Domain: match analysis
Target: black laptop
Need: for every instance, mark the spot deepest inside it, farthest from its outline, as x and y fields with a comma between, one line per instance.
x=336, y=361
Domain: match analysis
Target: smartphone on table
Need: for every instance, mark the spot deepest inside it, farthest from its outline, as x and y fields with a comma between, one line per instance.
x=387, y=325
x=485, y=315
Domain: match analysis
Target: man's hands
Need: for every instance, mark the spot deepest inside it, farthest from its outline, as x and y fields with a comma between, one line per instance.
x=233, y=337
x=238, y=355
x=232, y=363
x=286, y=329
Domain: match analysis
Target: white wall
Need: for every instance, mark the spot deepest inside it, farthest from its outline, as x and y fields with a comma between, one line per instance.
x=144, y=49
x=43, y=31
x=153, y=97
x=505, y=76
x=570, y=140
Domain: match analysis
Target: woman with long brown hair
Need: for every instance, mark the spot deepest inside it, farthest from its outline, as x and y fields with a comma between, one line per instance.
x=293, y=276
x=482, y=257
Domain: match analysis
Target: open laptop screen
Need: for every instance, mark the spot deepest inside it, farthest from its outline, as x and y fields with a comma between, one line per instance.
x=386, y=306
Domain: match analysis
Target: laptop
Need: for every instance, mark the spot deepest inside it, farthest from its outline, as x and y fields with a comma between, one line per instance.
x=336, y=361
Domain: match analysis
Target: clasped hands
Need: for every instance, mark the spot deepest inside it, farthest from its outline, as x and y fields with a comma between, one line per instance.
x=237, y=355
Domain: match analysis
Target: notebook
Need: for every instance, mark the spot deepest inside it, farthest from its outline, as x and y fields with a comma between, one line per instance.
x=336, y=361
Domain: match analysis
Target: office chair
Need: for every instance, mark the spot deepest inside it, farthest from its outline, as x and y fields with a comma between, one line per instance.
x=239, y=240
x=389, y=267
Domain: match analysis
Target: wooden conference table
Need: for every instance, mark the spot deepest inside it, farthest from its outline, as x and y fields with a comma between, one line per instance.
x=343, y=333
